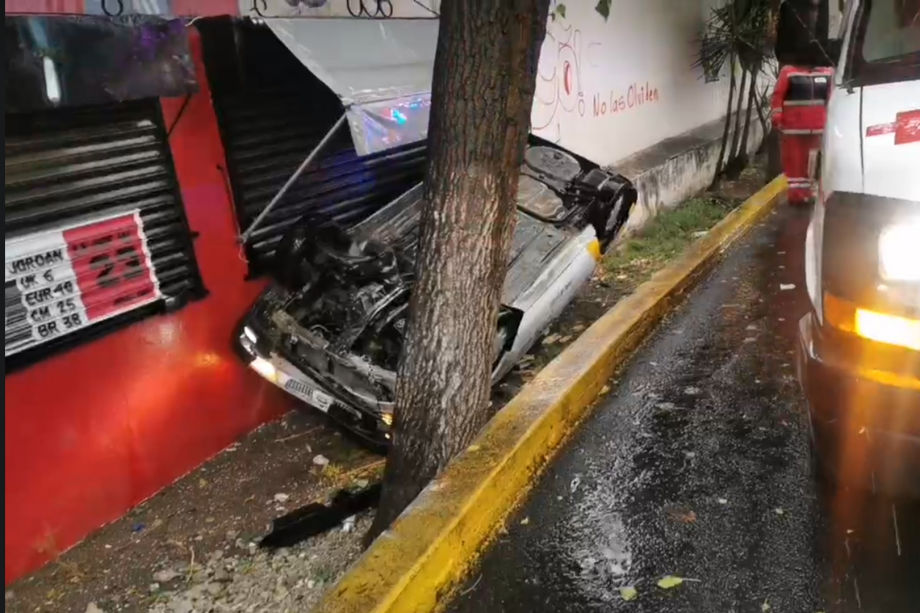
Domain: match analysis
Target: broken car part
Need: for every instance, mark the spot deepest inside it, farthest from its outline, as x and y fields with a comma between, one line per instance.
x=315, y=518
x=331, y=329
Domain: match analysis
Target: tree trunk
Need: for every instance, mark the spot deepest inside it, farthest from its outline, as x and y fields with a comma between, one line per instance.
x=743, y=146
x=482, y=91
x=736, y=133
x=728, y=118
x=765, y=123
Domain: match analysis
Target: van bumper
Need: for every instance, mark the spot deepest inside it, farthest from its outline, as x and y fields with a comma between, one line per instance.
x=865, y=418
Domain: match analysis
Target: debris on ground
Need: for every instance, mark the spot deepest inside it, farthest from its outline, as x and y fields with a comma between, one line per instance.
x=320, y=460
x=315, y=518
x=669, y=581
x=684, y=516
x=628, y=593
x=219, y=507
x=166, y=575
x=576, y=481
x=287, y=579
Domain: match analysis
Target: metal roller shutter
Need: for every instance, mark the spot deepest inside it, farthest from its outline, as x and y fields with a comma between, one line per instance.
x=268, y=134
x=272, y=111
x=96, y=234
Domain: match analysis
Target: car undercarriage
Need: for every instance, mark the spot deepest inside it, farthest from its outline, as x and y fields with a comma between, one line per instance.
x=331, y=329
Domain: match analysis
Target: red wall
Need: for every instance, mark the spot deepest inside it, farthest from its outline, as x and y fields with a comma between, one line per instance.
x=93, y=431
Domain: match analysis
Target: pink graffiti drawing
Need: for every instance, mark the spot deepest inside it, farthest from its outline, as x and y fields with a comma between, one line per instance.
x=559, y=86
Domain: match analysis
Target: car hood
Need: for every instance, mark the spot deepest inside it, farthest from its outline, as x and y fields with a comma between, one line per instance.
x=891, y=140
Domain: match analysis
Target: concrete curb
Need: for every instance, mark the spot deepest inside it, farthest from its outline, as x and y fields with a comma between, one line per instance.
x=414, y=565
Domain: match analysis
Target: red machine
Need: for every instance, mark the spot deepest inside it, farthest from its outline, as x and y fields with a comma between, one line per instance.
x=799, y=113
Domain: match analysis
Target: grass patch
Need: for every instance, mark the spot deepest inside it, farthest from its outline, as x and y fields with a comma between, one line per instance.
x=664, y=237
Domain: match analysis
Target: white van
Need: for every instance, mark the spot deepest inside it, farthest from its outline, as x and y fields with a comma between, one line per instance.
x=859, y=358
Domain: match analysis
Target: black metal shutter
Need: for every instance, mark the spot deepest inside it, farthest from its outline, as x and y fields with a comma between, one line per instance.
x=268, y=134
x=65, y=164
x=272, y=111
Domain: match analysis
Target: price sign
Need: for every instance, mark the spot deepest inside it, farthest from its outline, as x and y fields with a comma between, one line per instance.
x=59, y=281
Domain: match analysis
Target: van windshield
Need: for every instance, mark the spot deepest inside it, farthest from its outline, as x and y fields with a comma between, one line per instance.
x=887, y=41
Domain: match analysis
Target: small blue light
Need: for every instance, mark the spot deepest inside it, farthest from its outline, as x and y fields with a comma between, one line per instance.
x=399, y=116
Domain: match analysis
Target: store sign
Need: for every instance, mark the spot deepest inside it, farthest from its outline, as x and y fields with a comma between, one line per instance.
x=60, y=281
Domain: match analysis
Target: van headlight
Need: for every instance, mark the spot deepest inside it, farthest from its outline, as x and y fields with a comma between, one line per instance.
x=889, y=329
x=872, y=325
x=899, y=252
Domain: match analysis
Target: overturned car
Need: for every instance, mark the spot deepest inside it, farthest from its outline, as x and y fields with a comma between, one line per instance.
x=330, y=329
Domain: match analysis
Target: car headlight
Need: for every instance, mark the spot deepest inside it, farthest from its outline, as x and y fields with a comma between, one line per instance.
x=265, y=368
x=899, y=252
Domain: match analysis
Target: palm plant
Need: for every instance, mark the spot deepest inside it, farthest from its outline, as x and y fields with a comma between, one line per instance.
x=737, y=33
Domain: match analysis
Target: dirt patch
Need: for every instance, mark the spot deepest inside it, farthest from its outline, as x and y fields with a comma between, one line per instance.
x=216, y=512
x=285, y=580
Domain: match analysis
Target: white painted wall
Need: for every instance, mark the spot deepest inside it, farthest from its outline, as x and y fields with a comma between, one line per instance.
x=337, y=8
x=605, y=89
x=608, y=89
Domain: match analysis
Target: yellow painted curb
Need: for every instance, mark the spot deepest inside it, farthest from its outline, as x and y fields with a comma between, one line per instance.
x=414, y=565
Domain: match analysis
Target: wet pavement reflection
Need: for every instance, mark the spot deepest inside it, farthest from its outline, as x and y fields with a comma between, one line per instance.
x=697, y=464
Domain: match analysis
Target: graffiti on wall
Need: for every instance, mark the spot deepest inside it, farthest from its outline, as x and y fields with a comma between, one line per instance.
x=618, y=101
x=568, y=86
x=560, y=87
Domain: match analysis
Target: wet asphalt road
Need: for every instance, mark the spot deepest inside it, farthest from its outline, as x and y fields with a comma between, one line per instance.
x=697, y=464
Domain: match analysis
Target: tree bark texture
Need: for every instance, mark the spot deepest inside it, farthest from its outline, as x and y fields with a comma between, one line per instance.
x=752, y=95
x=728, y=118
x=736, y=133
x=482, y=91
x=760, y=99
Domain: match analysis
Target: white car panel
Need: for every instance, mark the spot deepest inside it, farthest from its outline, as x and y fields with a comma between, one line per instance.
x=891, y=140
x=841, y=165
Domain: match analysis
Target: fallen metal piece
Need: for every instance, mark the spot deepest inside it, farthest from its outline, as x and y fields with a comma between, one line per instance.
x=287, y=185
x=315, y=518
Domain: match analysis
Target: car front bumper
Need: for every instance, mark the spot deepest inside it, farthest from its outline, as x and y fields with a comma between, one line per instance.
x=260, y=357
x=864, y=408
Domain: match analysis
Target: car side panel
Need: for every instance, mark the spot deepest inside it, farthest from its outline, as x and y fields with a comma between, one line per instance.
x=545, y=299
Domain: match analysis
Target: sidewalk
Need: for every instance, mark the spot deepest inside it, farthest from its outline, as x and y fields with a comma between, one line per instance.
x=195, y=542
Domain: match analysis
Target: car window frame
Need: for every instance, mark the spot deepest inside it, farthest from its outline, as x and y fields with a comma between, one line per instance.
x=874, y=73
